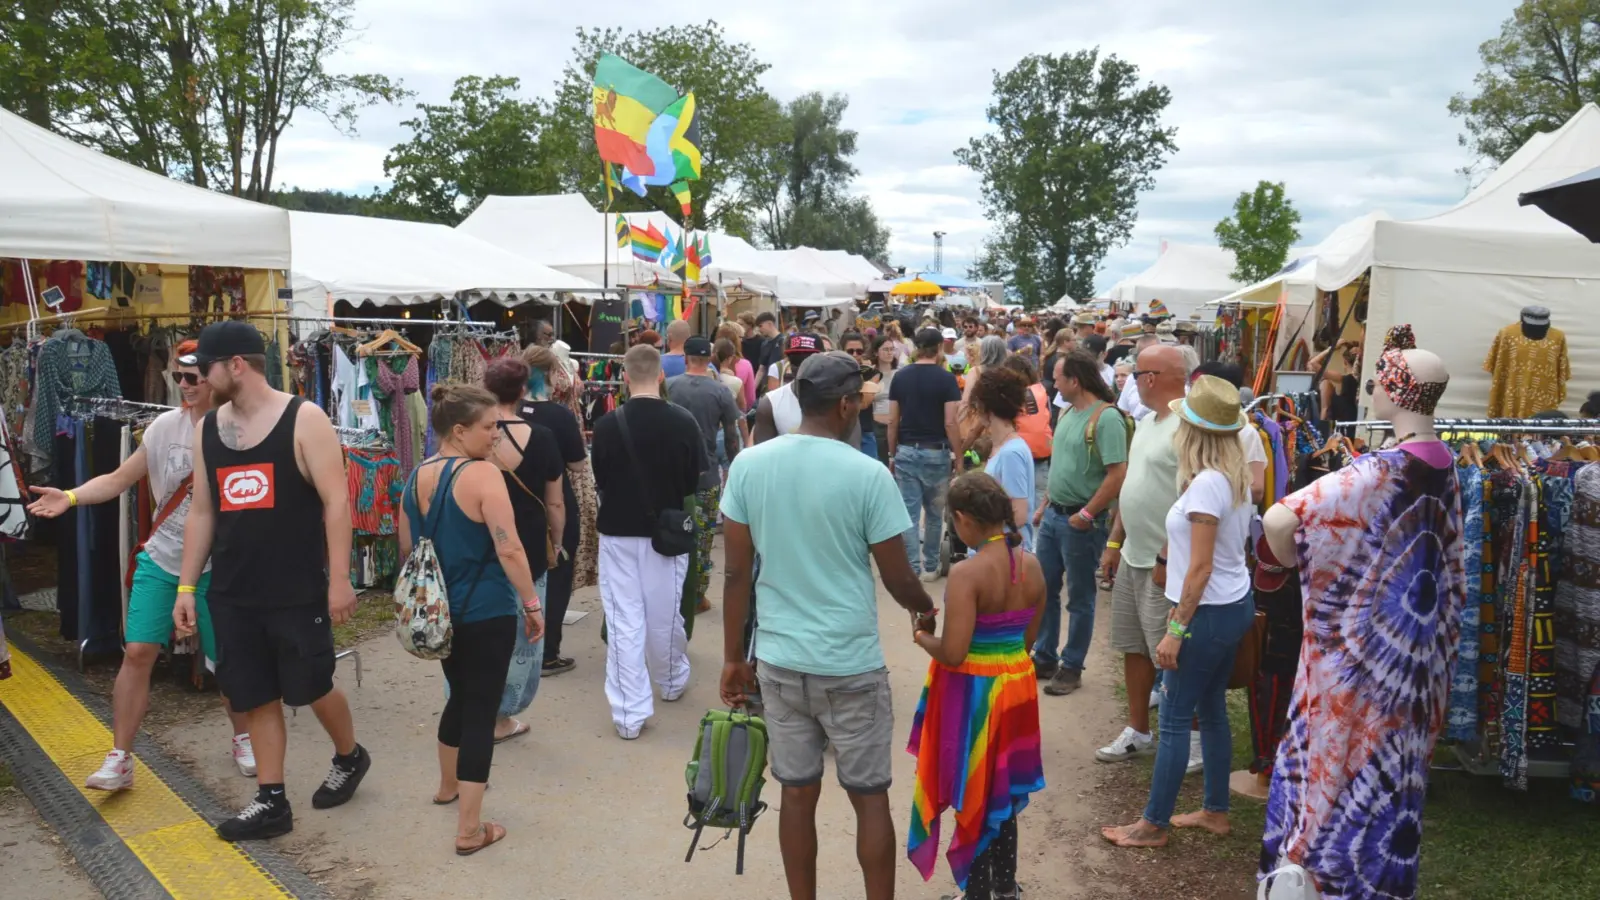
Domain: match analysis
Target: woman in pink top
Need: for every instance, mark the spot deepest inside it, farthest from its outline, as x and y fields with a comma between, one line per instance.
x=742, y=368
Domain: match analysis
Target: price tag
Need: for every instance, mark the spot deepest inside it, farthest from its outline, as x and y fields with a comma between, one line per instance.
x=363, y=408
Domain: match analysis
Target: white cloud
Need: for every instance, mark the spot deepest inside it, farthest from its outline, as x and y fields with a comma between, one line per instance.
x=1343, y=102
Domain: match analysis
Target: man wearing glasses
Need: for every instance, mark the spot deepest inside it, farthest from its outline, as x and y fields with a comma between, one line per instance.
x=855, y=344
x=165, y=456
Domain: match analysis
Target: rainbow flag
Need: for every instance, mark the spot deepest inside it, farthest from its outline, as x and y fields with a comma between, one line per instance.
x=647, y=242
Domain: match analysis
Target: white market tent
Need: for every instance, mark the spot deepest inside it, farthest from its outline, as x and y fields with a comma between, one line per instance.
x=1460, y=276
x=1183, y=277
x=390, y=262
x=561, y=231
x=61, y=200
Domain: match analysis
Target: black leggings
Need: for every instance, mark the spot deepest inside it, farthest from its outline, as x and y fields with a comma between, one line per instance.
x=994, y=872
x=476, y=668
x=557, y=595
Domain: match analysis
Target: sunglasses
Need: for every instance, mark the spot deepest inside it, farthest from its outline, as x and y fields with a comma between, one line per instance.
x=1140, y=373
x=857, y=352
x=189, y=378
x=1371, y=385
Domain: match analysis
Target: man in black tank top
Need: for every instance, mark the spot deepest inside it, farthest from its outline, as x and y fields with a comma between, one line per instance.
x=270, y=509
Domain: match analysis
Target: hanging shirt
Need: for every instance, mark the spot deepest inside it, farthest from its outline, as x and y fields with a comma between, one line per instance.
x=342, y=389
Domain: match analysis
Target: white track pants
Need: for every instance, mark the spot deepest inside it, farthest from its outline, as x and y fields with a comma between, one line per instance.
x=641, y=592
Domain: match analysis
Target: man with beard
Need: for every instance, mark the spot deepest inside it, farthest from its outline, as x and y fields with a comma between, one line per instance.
x=271, y=510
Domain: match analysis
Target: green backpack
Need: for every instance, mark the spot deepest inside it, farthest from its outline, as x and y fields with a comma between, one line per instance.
x=725, y=776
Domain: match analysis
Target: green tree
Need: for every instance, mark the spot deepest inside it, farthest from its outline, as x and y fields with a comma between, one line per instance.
x=1541, y=69
x=1076, y=138
x=202, y=90
x=804, y=191
x=738, y=118
x=1263, y=227
x=337, y=202
x=486, y=140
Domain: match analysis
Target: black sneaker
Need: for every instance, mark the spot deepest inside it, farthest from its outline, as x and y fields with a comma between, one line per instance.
x=257, y=822
x=1065, y=682
x=1043, y=670
x=341, y=783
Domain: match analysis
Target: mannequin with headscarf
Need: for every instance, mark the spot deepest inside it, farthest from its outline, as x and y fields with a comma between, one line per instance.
x=1379, y=545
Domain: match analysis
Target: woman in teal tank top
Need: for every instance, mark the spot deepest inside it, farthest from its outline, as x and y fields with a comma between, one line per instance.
x=467, y=514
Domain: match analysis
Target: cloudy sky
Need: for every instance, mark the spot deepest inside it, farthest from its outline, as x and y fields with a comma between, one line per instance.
x=1345, y=102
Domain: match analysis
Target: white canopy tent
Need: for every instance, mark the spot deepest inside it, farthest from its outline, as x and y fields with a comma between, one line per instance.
x=1183, y=277
x=61, y=200
x=390, y=262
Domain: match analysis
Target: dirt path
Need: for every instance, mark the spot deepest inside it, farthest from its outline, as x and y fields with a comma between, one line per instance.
x=35, y=863
x=593, y=818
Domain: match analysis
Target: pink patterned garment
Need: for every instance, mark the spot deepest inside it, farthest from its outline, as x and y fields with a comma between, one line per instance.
x=1380, y=552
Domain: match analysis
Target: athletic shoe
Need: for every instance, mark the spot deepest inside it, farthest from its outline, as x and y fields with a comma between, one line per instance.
x=257, y=822
x=930, y=577
x=1128, y=744
x=1064, y=682
x=341, y=783
x=116, y=773
x=628, y=735
x=1196, y=764
x=1155, y=697
x=244, y=755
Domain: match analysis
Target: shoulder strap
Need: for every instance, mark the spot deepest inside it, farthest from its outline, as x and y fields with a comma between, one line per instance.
x=505, y=426
x=633, y=460
x=173, y=502
x=441, y=491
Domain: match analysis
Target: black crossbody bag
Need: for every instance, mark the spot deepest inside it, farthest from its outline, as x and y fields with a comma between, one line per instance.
x=674, y=529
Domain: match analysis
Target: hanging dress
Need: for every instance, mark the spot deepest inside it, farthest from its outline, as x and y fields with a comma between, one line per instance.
x=976, y=739
x=1380, y=552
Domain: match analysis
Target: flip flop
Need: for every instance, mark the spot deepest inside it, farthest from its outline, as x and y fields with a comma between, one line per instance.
x=489, y=832
x=517, y=730
x=438, y=802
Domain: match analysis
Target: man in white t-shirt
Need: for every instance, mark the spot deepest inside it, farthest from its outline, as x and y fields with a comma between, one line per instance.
x=165, y=456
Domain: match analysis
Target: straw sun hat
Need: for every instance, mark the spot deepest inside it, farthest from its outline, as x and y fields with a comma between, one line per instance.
x=1212, y=405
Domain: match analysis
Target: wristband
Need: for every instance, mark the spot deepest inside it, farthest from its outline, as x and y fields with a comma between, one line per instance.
x=535, y=606
x=1087, y=517
x=1113, y=545
x=72, y=498
x=1181, y=632
x=1161, y=560
x=186, y=589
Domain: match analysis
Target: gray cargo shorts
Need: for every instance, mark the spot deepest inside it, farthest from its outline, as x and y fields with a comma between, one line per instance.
x=806, y=713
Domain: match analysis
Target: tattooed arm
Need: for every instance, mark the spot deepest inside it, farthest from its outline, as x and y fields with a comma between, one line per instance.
x=488, y=488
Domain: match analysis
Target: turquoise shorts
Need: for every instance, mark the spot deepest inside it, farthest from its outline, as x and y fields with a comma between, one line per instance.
x=150, y=604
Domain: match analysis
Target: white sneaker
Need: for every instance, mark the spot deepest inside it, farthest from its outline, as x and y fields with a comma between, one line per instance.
x=1155, y=698
x=244, y=755
x=1196, y=764
x=930, y=577
x=116, y=773
x=1128, y=744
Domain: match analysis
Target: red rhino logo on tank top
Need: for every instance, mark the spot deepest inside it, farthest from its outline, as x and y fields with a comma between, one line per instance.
x=245, y=487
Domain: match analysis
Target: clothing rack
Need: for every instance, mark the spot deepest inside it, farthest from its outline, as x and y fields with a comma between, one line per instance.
x=367, y=438
x=425, y=323
x=1495, y=426
x=116, y=408
x=595, y=355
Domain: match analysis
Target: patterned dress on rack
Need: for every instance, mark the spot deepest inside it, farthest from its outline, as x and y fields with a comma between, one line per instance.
x=976, y=738
x=567, y=388
x=1380, y=554
x=1578, y=602
x=1461, y=719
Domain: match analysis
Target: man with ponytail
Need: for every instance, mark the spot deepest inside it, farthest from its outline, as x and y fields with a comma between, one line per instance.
x=1088, y=459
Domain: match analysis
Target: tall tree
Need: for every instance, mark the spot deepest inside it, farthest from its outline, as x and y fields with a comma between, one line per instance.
x=804, y=191
x=487, y=140
x=1541, y=69
x=1263, y=227
x=737, y=117
x=1076, y=139
x=198, y=89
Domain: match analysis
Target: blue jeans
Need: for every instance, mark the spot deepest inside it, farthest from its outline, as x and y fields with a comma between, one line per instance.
x=1041, y=492
x=923, y=477
x=1067, y=554
x=869, y=443
x=1199, y=687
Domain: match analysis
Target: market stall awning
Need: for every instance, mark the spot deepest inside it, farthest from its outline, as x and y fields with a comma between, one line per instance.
x=390, y=262
x=61, y=200
x=948, y=282
x=1574, y=202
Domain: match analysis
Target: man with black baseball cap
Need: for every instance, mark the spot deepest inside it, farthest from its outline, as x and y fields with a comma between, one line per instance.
x=271, y=511
x=820, y=663
x=699, y=392
x=923, y=443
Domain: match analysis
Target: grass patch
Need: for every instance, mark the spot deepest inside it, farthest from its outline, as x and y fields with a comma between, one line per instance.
x=6, y=781
x=374, y=614
x=1480, y=840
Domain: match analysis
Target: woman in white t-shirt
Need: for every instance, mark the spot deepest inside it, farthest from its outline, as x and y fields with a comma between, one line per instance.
x=1204, y=574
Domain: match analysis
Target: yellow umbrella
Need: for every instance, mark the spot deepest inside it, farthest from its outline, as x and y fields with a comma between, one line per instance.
x=916, y=288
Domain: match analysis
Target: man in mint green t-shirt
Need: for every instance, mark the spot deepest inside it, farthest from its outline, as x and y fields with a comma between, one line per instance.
x=819, y=512
x=1073, y=526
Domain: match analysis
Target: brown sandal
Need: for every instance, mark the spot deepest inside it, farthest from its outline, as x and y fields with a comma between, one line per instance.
x=488, y=833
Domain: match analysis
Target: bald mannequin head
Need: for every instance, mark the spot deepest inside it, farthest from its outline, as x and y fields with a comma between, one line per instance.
x=1158, y=390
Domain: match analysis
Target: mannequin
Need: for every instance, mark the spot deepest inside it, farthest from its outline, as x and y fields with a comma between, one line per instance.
x=1379, y=545
x=1529, y=365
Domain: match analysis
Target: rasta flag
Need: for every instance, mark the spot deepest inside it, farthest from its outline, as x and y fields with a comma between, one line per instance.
x=642, y=125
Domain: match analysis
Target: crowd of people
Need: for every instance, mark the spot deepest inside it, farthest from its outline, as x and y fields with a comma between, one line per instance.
x=1023, y=461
